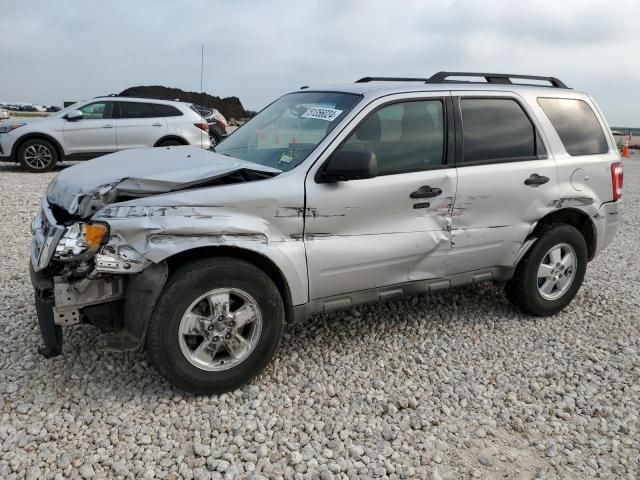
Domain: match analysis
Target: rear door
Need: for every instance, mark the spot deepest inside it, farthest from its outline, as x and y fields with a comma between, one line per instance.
x=507, y=180
x=377, y=232
x=92, y=134
x=138, y=125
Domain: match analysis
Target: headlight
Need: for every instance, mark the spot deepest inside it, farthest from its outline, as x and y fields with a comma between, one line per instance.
x=80, y=241
x=8, y=128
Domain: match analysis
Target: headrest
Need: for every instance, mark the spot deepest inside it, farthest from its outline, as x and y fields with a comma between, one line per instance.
x=369, y=131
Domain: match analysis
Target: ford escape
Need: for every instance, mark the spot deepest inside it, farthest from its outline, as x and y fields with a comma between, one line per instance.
x=328, y=198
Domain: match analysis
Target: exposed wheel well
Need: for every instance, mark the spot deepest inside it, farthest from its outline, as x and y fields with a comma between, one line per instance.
x=260, y=261
x=32, y=136
x=173, y=138
x=576, y=218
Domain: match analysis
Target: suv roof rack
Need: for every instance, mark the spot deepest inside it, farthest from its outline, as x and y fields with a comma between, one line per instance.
x=503, y=78
x=391, y=79
x=443, y=77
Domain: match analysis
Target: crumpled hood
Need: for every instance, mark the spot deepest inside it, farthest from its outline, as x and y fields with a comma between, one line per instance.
x=86, y=187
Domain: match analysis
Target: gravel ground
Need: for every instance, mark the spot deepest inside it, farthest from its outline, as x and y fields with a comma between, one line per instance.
x=456, y=385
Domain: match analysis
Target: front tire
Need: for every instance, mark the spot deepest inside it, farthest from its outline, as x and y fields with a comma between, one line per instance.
x=216, y=326
x=551, y=273
x=37, y=155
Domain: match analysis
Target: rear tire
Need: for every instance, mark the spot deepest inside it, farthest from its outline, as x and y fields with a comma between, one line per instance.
x=204, y=344
x=551, y=272
x=37, y=155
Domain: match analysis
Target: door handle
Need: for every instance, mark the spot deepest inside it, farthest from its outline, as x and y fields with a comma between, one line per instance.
x=156, y=125
x=535, y=179
x=107, y=126
x=425, y=191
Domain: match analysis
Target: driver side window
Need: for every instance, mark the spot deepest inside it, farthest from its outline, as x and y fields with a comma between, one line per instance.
x=97, y=111
x=405, y=136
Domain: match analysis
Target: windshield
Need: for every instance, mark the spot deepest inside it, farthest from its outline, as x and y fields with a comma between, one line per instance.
x=286, y=132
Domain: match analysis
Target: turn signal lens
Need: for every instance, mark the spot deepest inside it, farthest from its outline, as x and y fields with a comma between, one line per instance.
x=93, y=234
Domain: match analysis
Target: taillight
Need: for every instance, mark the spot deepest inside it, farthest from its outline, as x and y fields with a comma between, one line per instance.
x=202, y=126
x=221, y=124
x=616, y=180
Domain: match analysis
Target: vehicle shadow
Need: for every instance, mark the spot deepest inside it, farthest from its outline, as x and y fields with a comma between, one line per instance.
x=86, y=365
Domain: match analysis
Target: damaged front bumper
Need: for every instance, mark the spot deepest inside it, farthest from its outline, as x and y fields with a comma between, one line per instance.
x=62, y=303
x=117, y=304
x=115, y=291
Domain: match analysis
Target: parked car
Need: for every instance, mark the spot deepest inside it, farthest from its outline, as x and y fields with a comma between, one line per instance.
x=100, y=126
x=4, y=114
x=53, y=109
x=373, y=191
x=216, y=121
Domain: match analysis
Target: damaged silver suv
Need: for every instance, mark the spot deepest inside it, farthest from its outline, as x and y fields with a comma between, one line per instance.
x=328, y=198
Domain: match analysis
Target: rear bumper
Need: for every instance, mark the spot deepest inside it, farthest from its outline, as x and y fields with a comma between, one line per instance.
x=607, y=220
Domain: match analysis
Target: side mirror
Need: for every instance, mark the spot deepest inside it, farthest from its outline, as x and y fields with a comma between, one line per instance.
x=346, y=165
x=74, y=115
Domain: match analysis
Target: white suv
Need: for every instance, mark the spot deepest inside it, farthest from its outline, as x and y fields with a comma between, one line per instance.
x=100, y=126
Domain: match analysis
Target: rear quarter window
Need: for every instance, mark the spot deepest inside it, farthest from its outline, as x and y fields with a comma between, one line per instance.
x=576, y=125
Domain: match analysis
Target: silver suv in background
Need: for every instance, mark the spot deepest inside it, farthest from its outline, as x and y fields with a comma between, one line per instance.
x=100, y=126
x=328, y=198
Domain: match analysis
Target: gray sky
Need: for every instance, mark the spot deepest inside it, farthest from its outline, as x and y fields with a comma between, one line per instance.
x=53, y=51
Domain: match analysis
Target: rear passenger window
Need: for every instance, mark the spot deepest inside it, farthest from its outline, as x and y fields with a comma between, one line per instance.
x=576, y=124
x=496, y=129
x=136, y=110
x=163, y=110
x=405, y=137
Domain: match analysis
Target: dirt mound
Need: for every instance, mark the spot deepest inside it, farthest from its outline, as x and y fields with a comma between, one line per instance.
x=230, y=106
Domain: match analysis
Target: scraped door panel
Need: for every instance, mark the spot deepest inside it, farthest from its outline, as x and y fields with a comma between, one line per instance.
x=366, y=234
x=491, y=219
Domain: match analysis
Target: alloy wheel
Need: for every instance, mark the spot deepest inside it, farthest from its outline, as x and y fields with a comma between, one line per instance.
x=556, y=271
x=38, y=156
x=220, y=329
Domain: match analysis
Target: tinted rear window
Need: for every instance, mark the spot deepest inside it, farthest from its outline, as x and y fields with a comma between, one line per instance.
x=576, y=124
x=163, y=110
x=136, y=110
x=496, y=129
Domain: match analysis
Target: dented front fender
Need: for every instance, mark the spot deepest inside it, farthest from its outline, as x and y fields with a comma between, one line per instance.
x=151, y=230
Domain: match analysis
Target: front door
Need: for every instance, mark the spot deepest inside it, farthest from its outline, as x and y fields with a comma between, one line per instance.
x=93, y=133
x=394, y=228
x=506, y=181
